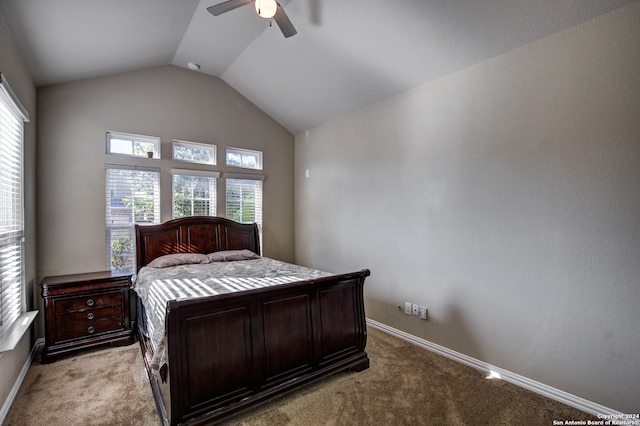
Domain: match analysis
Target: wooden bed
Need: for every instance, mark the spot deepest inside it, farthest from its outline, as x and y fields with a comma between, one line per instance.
x=230, y=352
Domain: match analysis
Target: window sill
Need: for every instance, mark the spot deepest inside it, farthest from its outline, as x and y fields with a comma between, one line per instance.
x=10, y=340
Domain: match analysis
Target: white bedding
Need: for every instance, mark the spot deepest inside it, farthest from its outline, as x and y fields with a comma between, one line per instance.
x=156, y=286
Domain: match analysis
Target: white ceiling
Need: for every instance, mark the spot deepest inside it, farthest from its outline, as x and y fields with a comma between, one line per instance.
x=346, y=55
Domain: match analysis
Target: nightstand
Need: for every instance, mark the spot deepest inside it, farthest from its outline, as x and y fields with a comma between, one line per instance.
x=85, y=310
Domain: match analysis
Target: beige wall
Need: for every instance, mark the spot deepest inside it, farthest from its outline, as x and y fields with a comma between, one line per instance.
x=506, y=199
x=17, y=74
x=168, y=102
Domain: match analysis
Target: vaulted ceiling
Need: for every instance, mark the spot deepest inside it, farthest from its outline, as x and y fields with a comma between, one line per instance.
x=347, y=53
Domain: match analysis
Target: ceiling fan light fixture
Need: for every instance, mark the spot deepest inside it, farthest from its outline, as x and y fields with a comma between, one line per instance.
x=266, y=8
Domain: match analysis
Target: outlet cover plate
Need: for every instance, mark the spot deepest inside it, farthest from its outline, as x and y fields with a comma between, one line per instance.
x=407, y=308
x=422, y=312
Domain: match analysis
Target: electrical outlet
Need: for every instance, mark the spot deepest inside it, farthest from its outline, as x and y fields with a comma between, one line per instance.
x=422, y=312
x=414, y=309
x=407, y=308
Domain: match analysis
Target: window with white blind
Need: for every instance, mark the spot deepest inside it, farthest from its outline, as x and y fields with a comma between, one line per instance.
x=194, y=193
x=244, y=198
x=132, y=197
x=12, y=281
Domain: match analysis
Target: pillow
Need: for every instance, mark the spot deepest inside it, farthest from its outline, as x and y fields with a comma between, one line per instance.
x=232, y=255
x=178, y=259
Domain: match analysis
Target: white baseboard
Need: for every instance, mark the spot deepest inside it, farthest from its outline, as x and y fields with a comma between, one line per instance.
x=537, y=387
x=16, y=386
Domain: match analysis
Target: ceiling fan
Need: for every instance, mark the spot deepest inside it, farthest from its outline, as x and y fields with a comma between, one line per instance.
x=265, y=8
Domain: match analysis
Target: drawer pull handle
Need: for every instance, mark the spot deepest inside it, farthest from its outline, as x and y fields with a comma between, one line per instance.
x=91, y=330
x=90, y=316
x=90, y=302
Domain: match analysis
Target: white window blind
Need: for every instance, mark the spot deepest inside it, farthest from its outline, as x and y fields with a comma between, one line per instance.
x=194, y=193
x=12, y=118
x=244, y=198
x=132, y=197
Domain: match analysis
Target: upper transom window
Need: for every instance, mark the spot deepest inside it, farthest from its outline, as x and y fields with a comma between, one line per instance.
x=245, y=158
x=133, y=145
x=194, y=152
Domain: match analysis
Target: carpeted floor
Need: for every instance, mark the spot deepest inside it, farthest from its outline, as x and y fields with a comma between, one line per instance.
x=405, y=385
x=99, y=387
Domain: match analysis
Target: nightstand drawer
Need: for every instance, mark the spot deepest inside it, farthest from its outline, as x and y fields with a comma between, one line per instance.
x=89, y=316
x=91, y=301
x=89, y=328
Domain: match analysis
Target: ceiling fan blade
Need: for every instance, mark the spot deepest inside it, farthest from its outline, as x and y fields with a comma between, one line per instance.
x=284, y=23
x=226, y=6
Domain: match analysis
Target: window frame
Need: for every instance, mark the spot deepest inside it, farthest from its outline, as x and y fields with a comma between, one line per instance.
x=258, y=214
x=241, y=152
x=127, y=228
x=194, y=145
x=14, y=320
x=213, y=188
x=133, y=138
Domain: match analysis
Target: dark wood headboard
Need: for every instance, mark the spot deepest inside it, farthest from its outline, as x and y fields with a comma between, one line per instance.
x=194, y=234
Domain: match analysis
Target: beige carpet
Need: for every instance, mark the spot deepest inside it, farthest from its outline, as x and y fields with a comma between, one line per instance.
x=99, y=387
x=405, y=385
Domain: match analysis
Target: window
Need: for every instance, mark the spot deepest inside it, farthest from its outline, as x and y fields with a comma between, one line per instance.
x=194, y=193
x=133, y=197
x=244, y=158
x=133, y=145
x=244, y=198
x=194, y=152
x=12, y=281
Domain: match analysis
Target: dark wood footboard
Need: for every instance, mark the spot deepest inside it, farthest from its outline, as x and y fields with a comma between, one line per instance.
x=230, y=352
